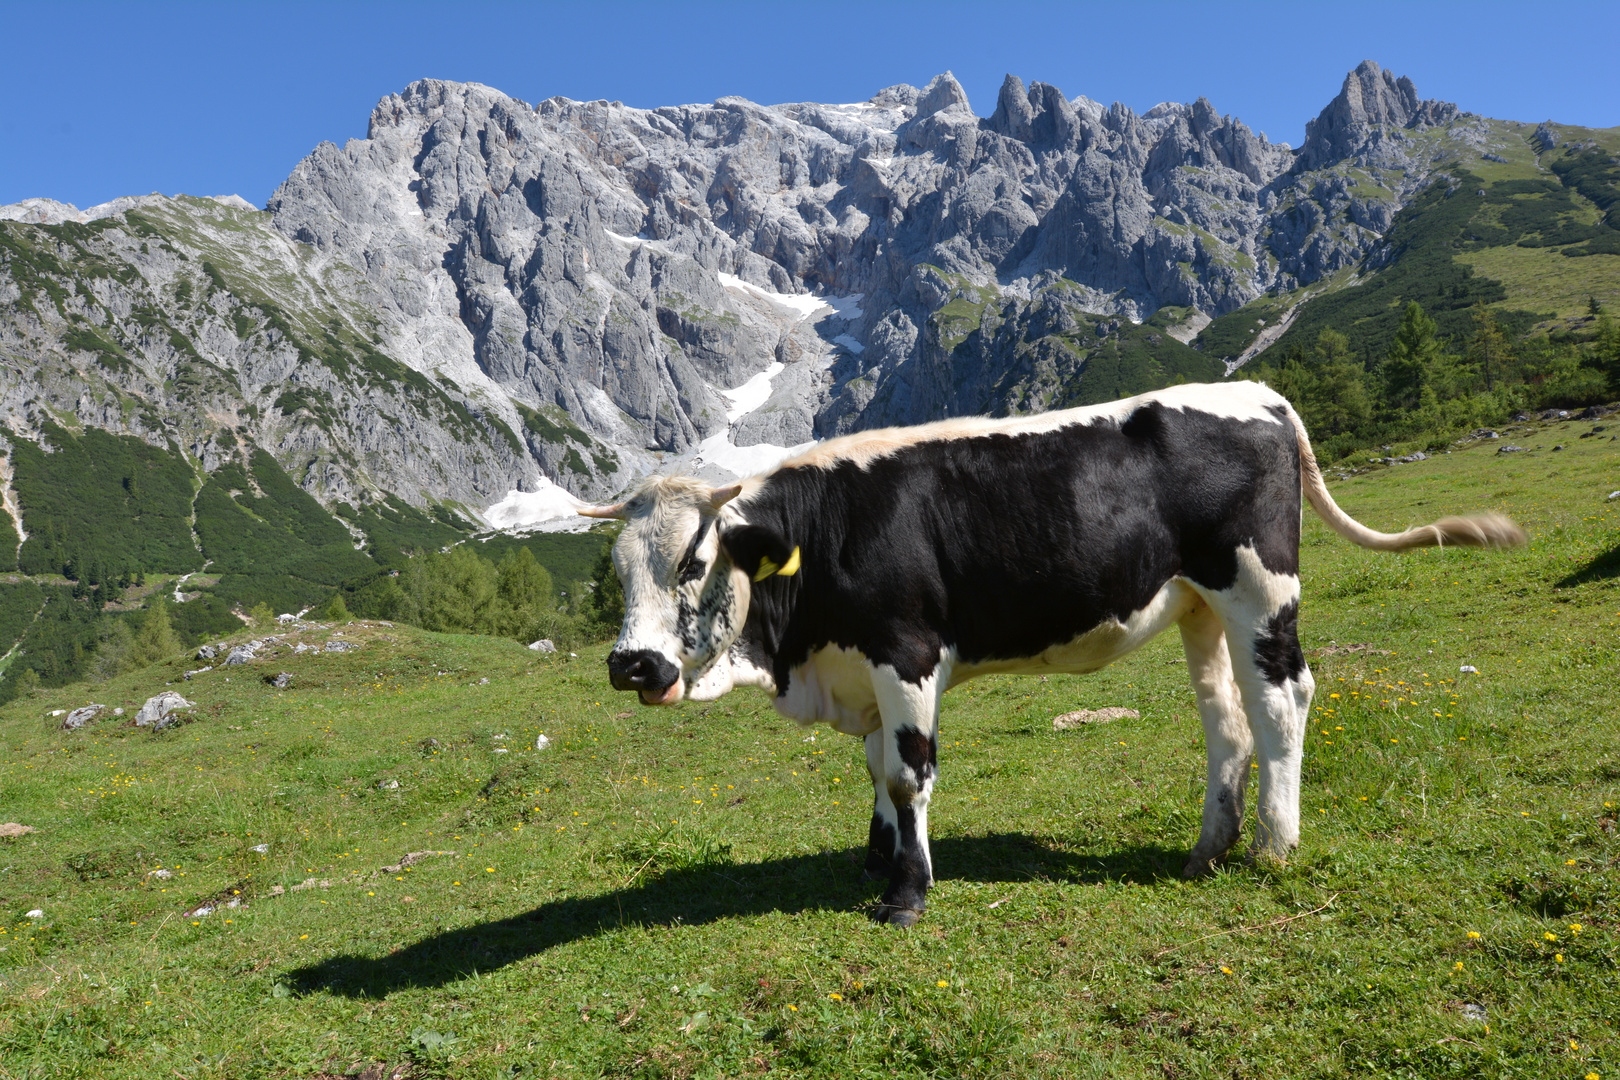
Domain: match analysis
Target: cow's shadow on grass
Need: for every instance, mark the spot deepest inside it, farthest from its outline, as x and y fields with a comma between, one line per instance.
x=1601, y=568
x=828, y=880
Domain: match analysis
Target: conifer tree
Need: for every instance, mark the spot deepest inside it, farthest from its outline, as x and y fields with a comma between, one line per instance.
x=156, y=639
x=1411, y=362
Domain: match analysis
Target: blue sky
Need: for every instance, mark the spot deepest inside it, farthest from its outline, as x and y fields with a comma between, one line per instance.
x=101, y=100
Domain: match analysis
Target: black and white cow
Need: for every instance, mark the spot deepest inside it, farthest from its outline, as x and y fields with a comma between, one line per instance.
x=860, y=580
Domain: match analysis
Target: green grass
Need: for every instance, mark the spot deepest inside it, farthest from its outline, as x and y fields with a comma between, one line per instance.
x=673, y=893
x=1544, y=280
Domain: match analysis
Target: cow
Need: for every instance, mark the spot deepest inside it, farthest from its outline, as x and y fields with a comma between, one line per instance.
x=859, y=580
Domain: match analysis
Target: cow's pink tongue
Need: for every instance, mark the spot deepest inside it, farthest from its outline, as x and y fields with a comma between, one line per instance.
x=668, y=697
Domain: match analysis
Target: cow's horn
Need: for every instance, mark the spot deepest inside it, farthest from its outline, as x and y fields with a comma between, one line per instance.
x=614, y=511
x=720, y=496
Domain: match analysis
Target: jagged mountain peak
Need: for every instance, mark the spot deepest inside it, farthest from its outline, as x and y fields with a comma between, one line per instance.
x=1371, y=97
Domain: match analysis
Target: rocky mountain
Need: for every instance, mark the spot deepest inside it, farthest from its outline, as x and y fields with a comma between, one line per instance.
x=485, y=300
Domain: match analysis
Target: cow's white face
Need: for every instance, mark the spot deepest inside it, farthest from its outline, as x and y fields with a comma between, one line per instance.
x=684, y=599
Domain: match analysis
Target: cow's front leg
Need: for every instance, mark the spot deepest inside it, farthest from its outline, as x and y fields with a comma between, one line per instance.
x=1227, y=738
x=910, y=712
x=882, y=837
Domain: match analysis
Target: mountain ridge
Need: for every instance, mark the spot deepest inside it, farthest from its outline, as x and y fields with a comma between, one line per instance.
x=485, y=301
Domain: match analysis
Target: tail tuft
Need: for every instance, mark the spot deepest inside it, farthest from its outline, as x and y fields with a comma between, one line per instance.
x=1476, y=530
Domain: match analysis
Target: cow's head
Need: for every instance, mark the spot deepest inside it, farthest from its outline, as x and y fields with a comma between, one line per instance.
x=686, y=561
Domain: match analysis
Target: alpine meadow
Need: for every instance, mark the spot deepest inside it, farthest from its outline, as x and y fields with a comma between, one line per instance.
x=310, y=762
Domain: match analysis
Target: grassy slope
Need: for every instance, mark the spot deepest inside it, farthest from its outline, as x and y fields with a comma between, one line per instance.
x=1439, y=256
x=674, y=893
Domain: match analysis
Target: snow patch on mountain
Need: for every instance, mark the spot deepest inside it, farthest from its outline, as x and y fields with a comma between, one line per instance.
x=550, y=509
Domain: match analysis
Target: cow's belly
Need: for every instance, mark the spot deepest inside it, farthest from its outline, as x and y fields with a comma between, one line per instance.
x=834, y=686
x=1098, y=647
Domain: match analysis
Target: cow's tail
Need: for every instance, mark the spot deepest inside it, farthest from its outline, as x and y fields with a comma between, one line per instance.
x=1478, y=530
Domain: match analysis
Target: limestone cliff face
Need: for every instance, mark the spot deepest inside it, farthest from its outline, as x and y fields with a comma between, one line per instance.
x=484, y=294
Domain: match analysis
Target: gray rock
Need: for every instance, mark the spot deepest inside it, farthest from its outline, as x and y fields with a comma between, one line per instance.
x=544, y=645
x=81, y=716
x=158, y=712
x=242, y=654
x=1081, y=717
x=341, y=646
x=281, y=681
x=207, y=652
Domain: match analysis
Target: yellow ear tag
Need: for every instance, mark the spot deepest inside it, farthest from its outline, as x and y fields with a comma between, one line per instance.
x=767, y=568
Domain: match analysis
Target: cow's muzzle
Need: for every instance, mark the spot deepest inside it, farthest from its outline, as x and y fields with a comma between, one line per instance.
x=655, y=678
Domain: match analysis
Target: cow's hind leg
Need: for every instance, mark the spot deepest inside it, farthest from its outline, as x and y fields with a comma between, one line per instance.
x=910, y=736
x=882, y=837
x=1227, y=740
x=1261, y=615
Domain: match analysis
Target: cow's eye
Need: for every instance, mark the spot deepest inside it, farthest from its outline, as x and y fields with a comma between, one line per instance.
x=692, y=569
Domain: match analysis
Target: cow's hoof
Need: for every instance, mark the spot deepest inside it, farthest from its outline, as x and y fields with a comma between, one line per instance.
x=898, y=916
x=1259, y=858
x=1202, y=865
x=1197, y=868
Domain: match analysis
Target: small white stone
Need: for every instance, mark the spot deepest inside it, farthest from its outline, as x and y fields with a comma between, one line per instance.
x=1469, y=669
x=502, y=750
x=37, y=913
x=262, y=849
x=541, y=743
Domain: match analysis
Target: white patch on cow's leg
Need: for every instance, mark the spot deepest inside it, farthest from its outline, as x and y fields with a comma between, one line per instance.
x=1260, y=613
x=910, y=713
x=1227, y=739
x=884, y=834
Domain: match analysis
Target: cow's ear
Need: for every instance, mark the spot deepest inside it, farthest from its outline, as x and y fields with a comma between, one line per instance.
x=760, y=552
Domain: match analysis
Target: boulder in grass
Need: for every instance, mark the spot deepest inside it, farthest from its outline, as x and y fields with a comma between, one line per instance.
x=281, y=681
x=80, y=717
x=11, y=830
x=207, y=652
x=158, y=712
x=1082, y=717
x=241, y=654
x=544, y=645
x=341, y=646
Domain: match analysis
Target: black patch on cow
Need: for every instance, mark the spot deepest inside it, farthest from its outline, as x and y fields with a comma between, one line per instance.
x=691, y=568
x=749, y=545
x=917, y=750
x=1005, y=545
x=1276, y=648
x=880, y=841
x=909, y=872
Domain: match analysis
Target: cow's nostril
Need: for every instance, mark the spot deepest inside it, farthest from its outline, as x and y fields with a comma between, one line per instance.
x=641, y=670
